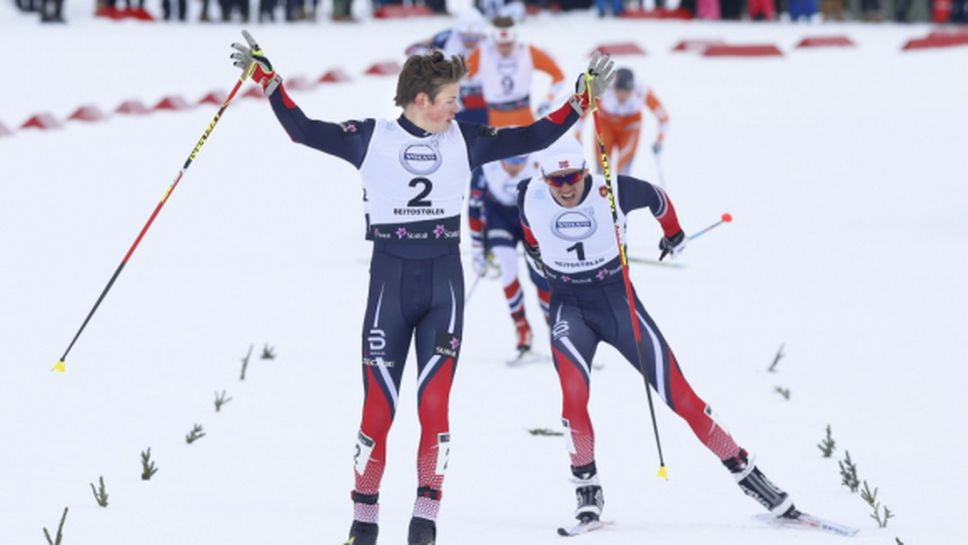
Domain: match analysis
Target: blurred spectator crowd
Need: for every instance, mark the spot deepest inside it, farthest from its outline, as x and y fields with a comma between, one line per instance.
x=940, y=11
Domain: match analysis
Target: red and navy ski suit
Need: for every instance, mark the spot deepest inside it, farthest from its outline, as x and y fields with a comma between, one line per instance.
x=590, y=306
x=416, y=287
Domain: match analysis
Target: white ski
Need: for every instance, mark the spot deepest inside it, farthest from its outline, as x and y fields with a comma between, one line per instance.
x=808, y=522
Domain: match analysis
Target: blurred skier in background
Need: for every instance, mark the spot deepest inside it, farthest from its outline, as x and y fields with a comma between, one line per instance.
x=495, y=228
x=620, y=114
x=505, y=67
x=461, y=39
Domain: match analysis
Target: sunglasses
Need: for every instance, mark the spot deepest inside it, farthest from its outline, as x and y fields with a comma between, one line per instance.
x=569, y=178
x=516, y=160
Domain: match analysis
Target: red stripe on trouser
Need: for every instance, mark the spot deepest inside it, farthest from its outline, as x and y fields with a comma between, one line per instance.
x=432, y=407
x=692, y=409
x=376, y=421
x=574, y=409
x=545, y=297
x=512, y=292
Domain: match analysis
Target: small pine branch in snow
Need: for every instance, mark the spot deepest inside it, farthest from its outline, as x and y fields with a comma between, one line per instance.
x=268, y=352
x=848, y=473
x=148, y=468
x=871, y=499
x=100, y=493
x=882, y=522
x=544, y=432
x=220, y=400
x=868, y=496
x=60, y=531
x=828, y=445
x=785, y=392
x=776, y=359
x=245, y=362
x=196, y=434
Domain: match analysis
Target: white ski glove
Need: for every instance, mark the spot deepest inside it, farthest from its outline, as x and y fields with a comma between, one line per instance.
x=252, y=60
x=478, y=258
x=599, y=74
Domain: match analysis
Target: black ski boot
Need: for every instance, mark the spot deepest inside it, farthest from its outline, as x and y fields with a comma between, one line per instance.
x=755, y=485
x=422, y=532
x=588, y=493
x=362, y=533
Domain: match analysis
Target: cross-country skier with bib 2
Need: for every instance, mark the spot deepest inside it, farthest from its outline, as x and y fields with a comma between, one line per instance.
x=414, y=170
x=568, y=225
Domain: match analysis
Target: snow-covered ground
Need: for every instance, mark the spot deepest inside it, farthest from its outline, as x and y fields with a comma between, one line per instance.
x=844, y=170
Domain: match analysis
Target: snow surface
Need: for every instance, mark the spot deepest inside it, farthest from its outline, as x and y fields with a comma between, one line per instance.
x=844, y=169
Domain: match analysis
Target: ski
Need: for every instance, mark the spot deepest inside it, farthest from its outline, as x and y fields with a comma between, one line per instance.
x=527, y=356
x=806, y=521
x=581, y=528
x=656, y=262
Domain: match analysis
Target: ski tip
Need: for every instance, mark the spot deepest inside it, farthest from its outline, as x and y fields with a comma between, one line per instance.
x=727, y=217
x=663, y=473
x=59, y=367
x=563, y=533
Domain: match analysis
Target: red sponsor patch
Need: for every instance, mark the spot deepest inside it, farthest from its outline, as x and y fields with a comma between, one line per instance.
x=603, y=191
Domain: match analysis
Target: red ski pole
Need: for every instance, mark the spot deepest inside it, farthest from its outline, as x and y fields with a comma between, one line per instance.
x=61, y=365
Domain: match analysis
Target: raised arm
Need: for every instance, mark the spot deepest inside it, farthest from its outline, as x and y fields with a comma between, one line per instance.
x=486, y=144
x=347, y=141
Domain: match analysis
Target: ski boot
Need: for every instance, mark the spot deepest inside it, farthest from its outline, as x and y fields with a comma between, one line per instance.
x=755, y=485
x=588, y=494
x=524, y=335
x=362, y=533
x=422, y=532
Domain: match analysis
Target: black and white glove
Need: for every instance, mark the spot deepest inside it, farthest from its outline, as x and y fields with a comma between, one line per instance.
x=253, y=62
x=593, y=82
x=672, y=246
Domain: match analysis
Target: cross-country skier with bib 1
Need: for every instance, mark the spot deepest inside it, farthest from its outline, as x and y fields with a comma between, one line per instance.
x=414, y=170
x=568, y=226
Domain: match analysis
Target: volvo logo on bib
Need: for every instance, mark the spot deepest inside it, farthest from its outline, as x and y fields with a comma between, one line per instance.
x=575, y=224
x=420, y=159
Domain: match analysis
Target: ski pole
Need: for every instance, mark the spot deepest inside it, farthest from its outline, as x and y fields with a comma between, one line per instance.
x=658, y=170
x=61, y=365
x=623, y=258
x=470, y=292
x=725, y=218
